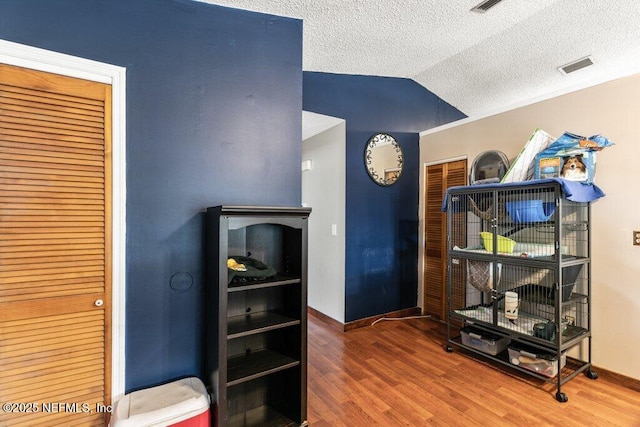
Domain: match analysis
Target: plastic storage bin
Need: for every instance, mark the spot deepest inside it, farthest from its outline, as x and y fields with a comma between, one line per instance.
x=182, y=403
x=530, y=210
x=504, y=243
x=535, y=360
x=484, y=341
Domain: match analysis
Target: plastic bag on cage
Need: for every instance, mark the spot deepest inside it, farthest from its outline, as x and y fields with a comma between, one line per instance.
x=522, y=168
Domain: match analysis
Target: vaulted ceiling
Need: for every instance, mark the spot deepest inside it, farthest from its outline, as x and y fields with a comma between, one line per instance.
x=478, y=62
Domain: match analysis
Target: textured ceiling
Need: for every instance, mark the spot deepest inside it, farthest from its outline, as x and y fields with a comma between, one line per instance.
x=479, y=63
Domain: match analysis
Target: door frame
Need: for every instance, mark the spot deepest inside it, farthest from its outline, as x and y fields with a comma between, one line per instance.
x=58, y=63
x=421, y=223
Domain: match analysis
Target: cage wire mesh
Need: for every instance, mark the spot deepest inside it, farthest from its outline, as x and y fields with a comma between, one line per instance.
x=497, y=238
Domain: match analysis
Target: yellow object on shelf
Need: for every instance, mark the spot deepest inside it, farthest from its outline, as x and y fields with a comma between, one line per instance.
x=235, y=265
x=505, y=244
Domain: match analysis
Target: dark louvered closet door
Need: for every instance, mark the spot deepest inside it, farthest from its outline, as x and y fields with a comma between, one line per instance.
x=55, y=241
x=438, y=178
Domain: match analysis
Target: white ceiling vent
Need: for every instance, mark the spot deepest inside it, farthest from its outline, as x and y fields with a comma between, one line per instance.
x=576, y=65
x=485, y=5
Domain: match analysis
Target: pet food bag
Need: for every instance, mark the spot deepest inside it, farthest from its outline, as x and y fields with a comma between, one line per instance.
x=572, y=157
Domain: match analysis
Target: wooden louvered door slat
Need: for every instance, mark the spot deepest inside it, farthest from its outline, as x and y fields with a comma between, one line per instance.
x=433, y=240
x=439, y=177
x=55, y=241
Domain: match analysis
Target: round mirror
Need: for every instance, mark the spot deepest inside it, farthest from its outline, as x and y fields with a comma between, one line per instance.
x=383, y=159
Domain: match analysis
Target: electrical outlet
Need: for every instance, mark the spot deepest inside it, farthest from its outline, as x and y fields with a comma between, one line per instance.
x=636, y=238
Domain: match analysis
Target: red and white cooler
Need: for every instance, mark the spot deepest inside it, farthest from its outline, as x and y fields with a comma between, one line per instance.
x=181, y=403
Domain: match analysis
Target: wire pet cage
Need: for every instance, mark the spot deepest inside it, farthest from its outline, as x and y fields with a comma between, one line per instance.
x=519, y=265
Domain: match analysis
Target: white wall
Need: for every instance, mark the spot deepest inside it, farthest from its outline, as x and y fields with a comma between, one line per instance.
x=324, y=190
x=613, y=110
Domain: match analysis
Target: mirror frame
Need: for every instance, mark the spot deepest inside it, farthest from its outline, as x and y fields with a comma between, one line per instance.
x=396, y=169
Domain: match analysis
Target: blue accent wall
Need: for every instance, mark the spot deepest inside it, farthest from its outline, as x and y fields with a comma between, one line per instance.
x=381, y=265
x=214, y=99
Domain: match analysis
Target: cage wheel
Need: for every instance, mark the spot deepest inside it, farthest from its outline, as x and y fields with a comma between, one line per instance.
x=448, y=348
x=591, y=374
x=561, y=397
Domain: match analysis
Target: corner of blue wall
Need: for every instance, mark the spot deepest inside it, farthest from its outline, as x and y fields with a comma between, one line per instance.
x=381, y=263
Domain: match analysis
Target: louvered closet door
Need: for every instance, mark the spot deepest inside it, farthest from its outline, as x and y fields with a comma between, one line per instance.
x=438, y=178
x=54, y=248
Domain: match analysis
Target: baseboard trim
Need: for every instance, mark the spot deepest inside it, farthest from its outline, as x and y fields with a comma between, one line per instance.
x=614, y=377
x=329, y=321
x=361, y=323
x=367, y=321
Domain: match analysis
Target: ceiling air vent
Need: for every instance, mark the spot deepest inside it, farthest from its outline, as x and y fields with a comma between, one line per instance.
x=485, y=5
x=576, y=65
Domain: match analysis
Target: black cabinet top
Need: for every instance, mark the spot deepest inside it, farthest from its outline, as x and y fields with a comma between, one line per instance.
x=260, y=210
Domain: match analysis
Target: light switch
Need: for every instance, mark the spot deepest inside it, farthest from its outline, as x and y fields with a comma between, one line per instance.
x=334, y=229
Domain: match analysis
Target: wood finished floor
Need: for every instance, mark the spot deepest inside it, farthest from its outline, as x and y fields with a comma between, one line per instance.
x=396, y=373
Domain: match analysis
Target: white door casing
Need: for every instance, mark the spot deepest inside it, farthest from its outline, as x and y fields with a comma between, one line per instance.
x=43, y=60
